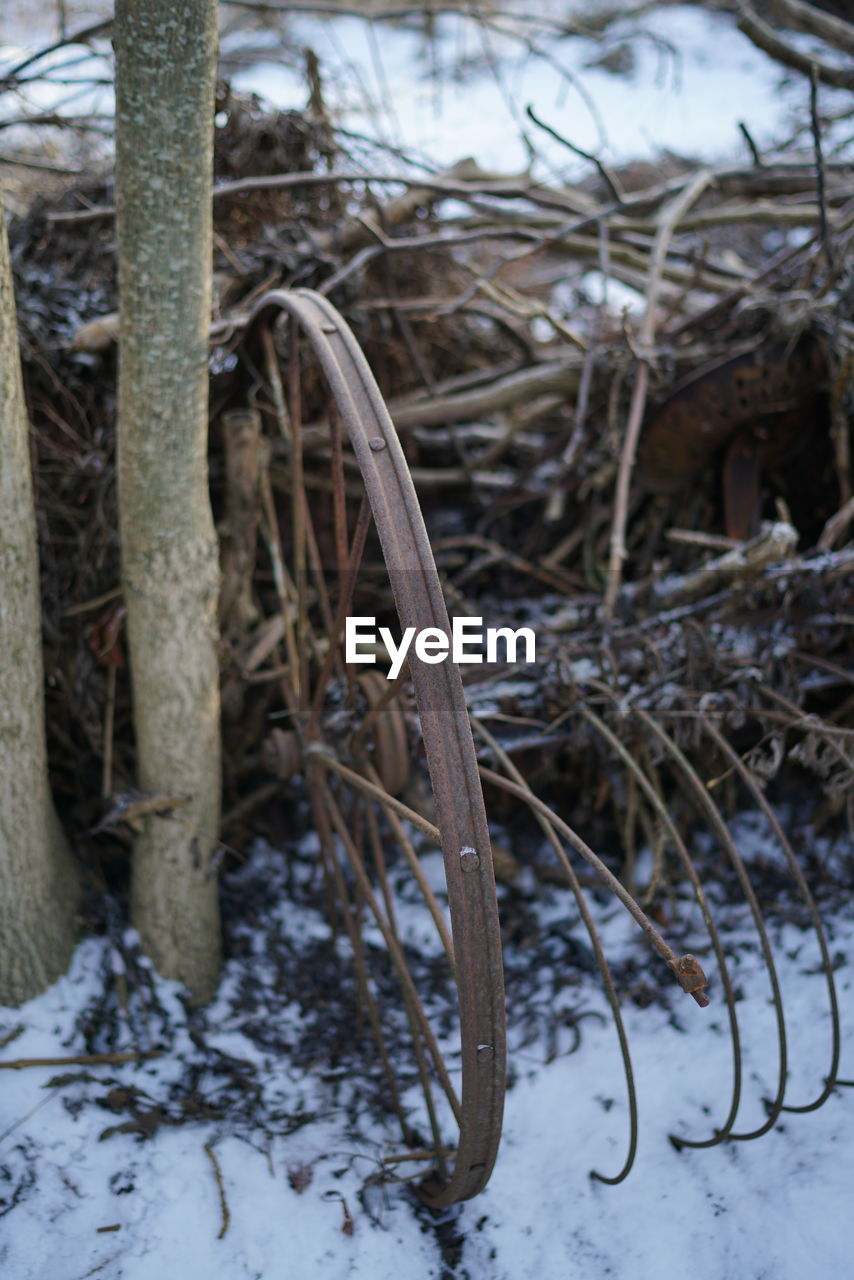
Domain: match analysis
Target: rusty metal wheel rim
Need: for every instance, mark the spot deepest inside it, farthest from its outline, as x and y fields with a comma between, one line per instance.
x=444, y=721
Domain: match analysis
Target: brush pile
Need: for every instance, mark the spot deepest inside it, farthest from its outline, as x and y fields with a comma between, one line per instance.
x=626, y=405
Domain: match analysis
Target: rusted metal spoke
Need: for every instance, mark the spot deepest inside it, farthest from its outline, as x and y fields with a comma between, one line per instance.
x=708, y=807
x=317, y=573
x=379, y=862
x=318, y=790
x=286, y=430
x=271, y=362
x=338, y=488
x=357, y=550
x=549, y=832
x=416, y=869
x=379, y=793
x=394, y=949
x=761, y=799
x=714, y=935
x=298, y=507
x=285, y=589
x=686, y=969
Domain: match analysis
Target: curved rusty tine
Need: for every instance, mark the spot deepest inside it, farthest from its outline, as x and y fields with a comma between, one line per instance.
x=348, y=575
x=761, y=799
x=712, y=929
x=394, y=948
x=412, y=816
x=298, y=507
x=708, y=806
x=415, y=867
x=686, y=969
x=380, y=868
x=598, y=951
x=327, y=844
x=447, y=736
x=415, y=1014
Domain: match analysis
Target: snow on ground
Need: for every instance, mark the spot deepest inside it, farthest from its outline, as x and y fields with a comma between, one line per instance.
x=691, y=76
x=678, y=78
x=299, y=1149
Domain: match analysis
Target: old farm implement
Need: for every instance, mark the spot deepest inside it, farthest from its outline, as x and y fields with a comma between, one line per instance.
x=354, y=542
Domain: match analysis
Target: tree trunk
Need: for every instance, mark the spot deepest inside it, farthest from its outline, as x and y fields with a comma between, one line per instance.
x=38, y=884
x=165, y=79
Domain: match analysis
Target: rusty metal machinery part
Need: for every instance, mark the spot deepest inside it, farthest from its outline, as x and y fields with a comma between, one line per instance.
x=769, y=396
x=444, y=725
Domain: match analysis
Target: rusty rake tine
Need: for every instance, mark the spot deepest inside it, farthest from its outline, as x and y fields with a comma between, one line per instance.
x=317, y=572
x=714, y=935
x=380, y=866
x=298, y=511
x=338, y=486
x=417, y=871
x=285, y=589
x=395, y=952
x=357, y=550
x=424, y=1076
x=371, y=789
x=271, y=361
x=685, y=969
x=318, y=785
x=711, y=810
x=798, y=876
x=598, y=951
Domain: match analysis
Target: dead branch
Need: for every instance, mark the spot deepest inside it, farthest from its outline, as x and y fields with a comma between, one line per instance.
x=769, y=42
x=799, y=16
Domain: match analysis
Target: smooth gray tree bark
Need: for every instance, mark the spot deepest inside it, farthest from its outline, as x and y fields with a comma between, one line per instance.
x=165, y=81
x=38, y=882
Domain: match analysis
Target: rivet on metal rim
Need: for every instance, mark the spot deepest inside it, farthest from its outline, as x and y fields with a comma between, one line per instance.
x=469, y=858
x=376, y=443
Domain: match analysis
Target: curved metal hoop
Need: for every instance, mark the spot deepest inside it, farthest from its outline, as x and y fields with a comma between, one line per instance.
x=445, y=727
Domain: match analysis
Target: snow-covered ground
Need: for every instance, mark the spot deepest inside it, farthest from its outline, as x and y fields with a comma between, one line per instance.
x=678, y=78
x=692, y=77
x=299, y=1148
